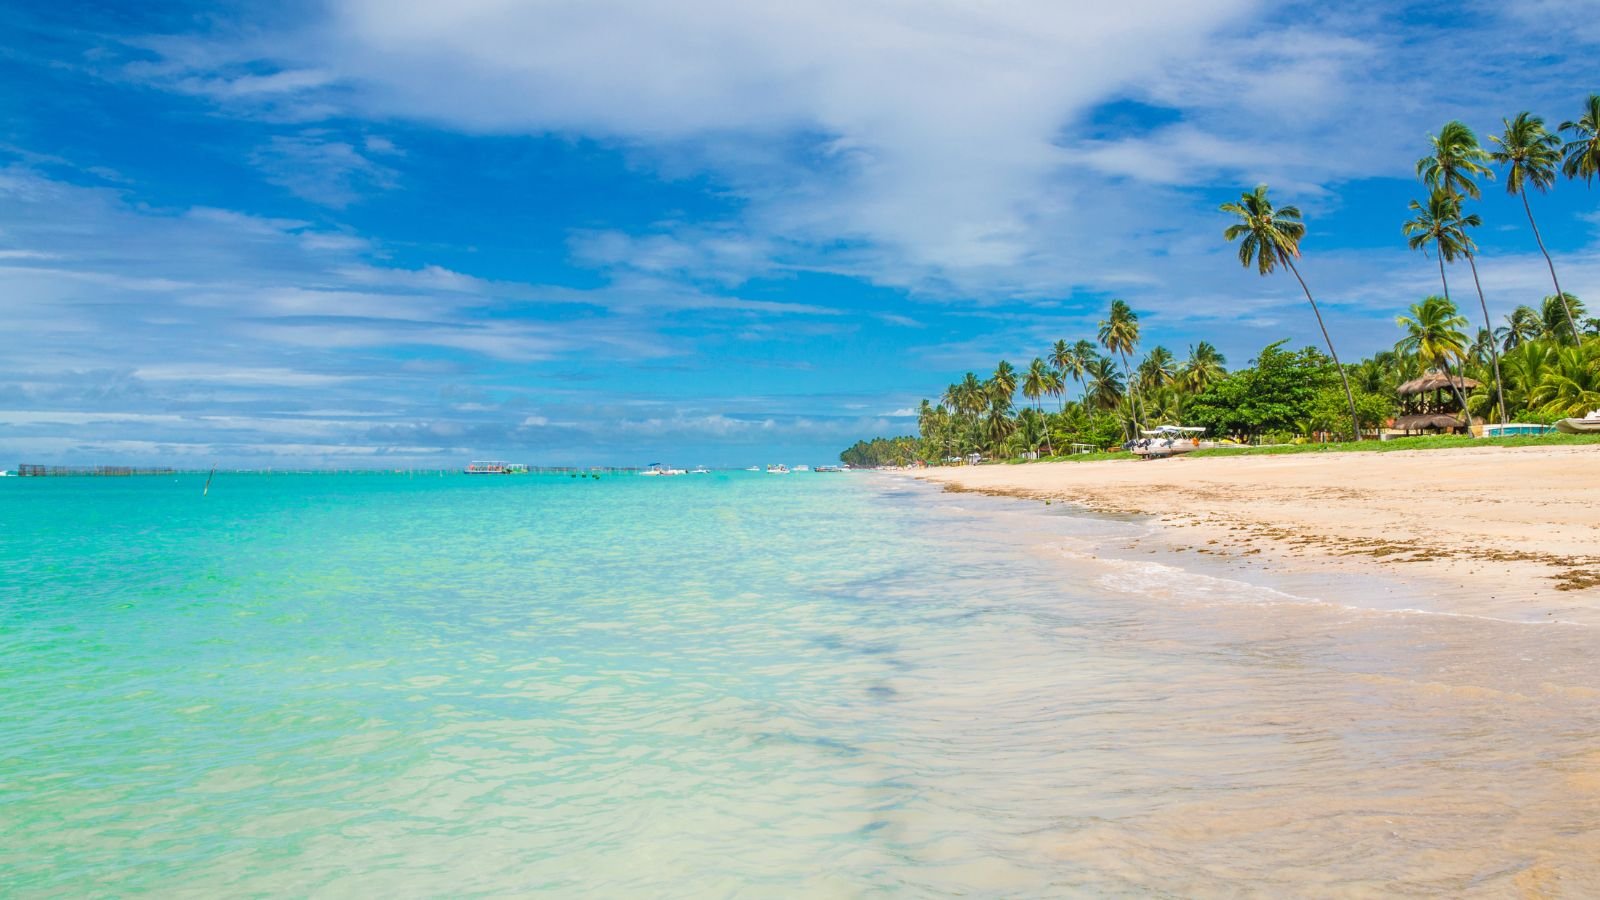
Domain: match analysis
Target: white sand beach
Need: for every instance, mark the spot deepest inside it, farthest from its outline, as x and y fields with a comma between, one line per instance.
x=1503, y=532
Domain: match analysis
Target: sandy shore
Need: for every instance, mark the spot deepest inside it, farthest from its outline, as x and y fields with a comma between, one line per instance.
x=1499, y=531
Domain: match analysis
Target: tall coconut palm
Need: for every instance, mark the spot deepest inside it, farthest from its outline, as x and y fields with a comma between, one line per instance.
x=1271, y=237
x=1530, y=154
x=1069, y=360
x=1159, y=369
x=1039, y=381
x=1003, y=384
x=1102, y=388
x=1433, y=333
x=1554, y=324
x=1119, y=333
x=1034, y=382
x=1583, y=151
x=1522, y=325
x=1441, y=225
x=1455, y=161
x=1203, y=368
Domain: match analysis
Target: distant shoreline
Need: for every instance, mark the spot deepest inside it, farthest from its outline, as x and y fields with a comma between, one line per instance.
x=1504, y=532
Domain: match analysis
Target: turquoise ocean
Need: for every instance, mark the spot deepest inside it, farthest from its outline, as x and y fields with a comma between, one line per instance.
x=742, y=685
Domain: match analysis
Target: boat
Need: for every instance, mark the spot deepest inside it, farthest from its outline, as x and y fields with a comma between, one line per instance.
x=829, y=469
x=1589, y=424
x=494, y=467
x=659, y=469
x=802, y=468
x=779, y=469
x=1166, y=440
x=699, y=470
x=752, y=468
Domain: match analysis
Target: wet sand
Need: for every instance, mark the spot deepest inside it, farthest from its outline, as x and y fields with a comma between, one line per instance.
x=1501, y=532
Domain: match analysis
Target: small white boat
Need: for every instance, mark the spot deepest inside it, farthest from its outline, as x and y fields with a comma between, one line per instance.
x=802, y=468
x=779, y=469
x=1167, y=440
x=1589, y=424
x=752, y=468
x=829, y=469
x=658, y=469
x=6, y=473
x=699, y=470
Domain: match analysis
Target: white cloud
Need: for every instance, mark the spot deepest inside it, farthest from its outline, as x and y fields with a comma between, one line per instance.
x=316, y=167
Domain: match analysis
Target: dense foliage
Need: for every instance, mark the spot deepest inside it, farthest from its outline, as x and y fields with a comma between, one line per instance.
x=1541, y=364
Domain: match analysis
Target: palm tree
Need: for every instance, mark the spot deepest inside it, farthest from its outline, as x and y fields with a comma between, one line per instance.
x=1272, y=237
x=1039, y=381
x=1119, y=333
x=1069, y=360
x=1553, y=321
x=1433, y=333
x=998, y=426
x=1203, y=368
x=1455, y=160
x=1159, y=369
x=1003, y=384
x=1103, y=389
x=1033, y=384
x=1530, y=154
x=1441, y=225
x=1583, y=151
x=1522, y=325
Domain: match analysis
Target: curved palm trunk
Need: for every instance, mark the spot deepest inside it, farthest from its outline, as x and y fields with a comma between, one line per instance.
x=1355, y=420
x=1494, y=352
x=1559, y=295
x=1133, y=396
x=1444, y=363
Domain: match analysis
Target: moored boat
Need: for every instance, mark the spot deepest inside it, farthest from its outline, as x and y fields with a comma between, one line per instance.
x=1589, y=424
x=659, y=469
x=1166, y=440
x=779, y=469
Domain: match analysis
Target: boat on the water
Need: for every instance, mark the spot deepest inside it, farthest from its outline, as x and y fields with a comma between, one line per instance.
x=494, y=467
x=752, y=468
x=829, y=469
x=659, y=469
x=779, y=469
x=699, y=470
x=1166, y=440
x=1589, y=424
x=802, y=468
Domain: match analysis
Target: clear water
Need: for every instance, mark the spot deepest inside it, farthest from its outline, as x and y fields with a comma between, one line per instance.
x=741, y=685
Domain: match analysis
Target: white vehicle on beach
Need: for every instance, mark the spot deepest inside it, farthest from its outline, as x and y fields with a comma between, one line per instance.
x=1167, y=440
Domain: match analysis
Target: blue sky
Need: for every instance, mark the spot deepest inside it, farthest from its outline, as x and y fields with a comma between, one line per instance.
x=389, y=233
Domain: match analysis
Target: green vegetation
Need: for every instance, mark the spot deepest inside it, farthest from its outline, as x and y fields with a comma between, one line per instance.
x=1541, y=365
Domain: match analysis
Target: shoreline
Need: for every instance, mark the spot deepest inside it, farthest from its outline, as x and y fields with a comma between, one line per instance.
x=1507, y=533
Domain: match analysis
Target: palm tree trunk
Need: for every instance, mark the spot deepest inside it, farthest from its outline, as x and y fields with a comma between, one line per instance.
x=1559, y=295
x=1355, y=420
x=1133, y=395
x=1494, y=352
x=1445, y=364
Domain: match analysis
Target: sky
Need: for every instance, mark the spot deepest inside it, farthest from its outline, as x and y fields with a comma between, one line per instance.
x=393, y=233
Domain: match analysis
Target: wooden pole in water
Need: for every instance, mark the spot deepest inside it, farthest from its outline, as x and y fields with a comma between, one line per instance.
x=207, y=490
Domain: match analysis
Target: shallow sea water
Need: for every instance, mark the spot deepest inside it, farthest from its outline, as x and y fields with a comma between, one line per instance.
x=744, y=685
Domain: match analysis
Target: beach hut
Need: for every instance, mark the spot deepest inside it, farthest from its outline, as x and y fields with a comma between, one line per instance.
x=1428, y=404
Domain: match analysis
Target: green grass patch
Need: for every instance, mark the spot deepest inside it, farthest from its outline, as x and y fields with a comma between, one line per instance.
x=1429, y=442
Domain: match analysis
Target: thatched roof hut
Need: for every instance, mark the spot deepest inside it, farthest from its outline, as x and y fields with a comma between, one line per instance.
x=1435, y=381
x=1428, y=422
